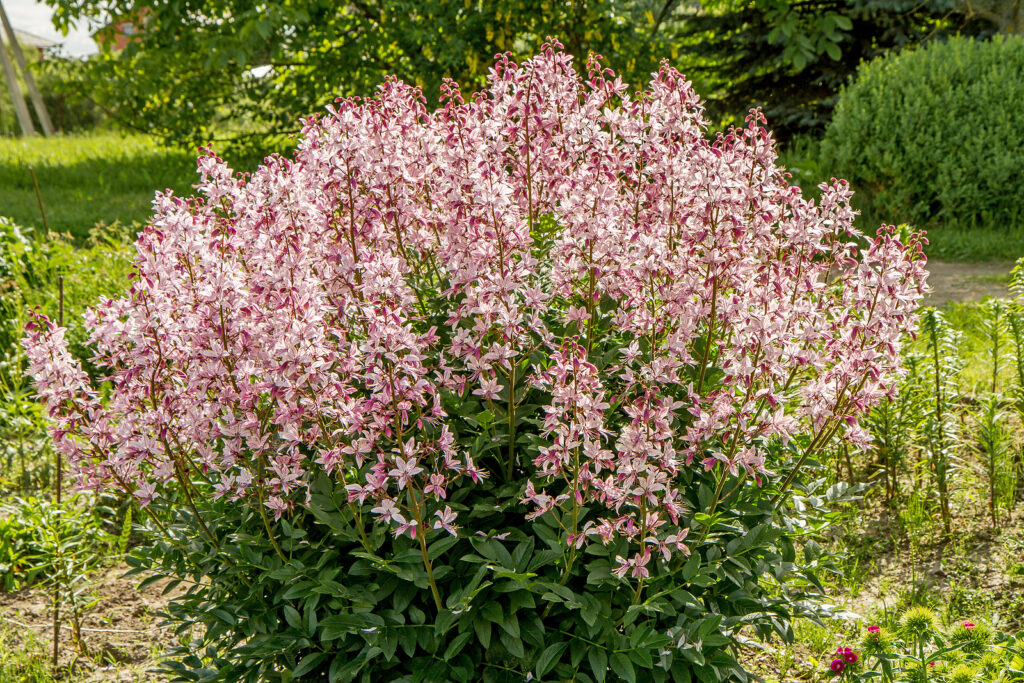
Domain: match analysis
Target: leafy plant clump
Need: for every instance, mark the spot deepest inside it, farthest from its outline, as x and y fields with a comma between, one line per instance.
x=524, y=386
x=914, y=646
x=916, y=132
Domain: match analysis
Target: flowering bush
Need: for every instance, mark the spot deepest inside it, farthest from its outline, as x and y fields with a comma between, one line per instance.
x=524, y=385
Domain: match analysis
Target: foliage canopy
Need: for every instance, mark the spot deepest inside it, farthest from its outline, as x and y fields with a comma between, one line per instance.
x=194, y=71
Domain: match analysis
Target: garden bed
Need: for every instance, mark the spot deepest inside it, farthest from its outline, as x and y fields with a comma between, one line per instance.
x=122, y=631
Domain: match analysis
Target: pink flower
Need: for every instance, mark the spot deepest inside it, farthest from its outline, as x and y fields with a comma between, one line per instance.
x=409, y=527
x=145, y=493
x=968, y=625
x=577, y=315
x=278, y=505
x=489, y=388
x=405, y=469
x=445, y=519
x=838, y=665
x=874, y=629
x=436, y=486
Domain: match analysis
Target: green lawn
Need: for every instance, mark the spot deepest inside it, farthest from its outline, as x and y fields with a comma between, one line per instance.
x=89, y=179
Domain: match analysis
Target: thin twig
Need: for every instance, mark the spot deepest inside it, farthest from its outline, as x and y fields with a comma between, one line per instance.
x=39, y=199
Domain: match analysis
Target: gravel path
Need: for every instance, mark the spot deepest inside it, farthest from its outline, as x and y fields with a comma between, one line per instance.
x=959, y=282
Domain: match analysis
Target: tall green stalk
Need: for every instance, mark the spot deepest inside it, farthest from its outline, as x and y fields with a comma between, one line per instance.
x=942, y=343
x=993, y=438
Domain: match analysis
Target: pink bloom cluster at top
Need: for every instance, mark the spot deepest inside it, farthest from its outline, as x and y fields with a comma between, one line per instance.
x=278, y=322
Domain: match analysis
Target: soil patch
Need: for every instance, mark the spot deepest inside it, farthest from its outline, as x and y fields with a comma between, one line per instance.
x=122, y=631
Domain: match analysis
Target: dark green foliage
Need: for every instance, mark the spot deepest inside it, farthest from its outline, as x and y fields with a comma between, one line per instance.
x=792, y=58
x=933, y=137
x=64, y=92
x=345, y=608
x=189, y=75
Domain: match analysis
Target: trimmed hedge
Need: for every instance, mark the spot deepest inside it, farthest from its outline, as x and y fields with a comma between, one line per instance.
x=935, y=136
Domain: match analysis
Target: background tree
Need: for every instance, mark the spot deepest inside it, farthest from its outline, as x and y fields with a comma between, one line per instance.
x=195, y=69
x=791, y=57
x=200, y=70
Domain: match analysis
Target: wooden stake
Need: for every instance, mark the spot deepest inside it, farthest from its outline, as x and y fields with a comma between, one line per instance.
x=30, y=81
x=24, y=120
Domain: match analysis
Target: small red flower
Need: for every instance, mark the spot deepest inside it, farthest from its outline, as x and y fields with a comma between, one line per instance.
x=838, y=665
x=874, y=629
x=968, y=625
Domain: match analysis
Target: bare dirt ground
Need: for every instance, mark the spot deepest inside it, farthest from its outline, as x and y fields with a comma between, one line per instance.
x=121, y=631
x=959, y=282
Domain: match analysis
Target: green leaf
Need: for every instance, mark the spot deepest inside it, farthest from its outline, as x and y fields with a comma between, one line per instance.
x=292, y=616
x=308, y=663
x=438, y=547
x=691, y=567
x=337, y=625
x=445, y=620
x=483, y=632
x=513, y=645
x=623, y=667
x=707, y=625
x=510, y=625
x=491, y=611
x=598, y=659
x=455, y=647
x=225, y=616
x=549, y=657
x=642, y=657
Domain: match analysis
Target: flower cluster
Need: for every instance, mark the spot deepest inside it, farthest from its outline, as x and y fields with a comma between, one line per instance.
x=554, y=282
x=844, y=658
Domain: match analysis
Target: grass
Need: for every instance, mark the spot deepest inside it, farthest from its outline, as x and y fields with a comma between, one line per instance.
x=23, y=658
x=87, y=180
